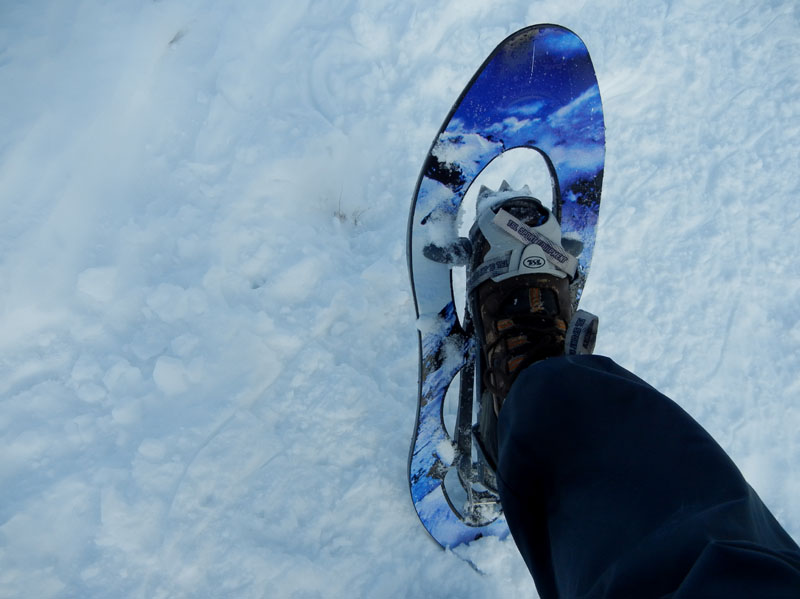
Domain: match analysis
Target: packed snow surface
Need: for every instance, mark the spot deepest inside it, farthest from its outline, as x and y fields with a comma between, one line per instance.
x=208, y=351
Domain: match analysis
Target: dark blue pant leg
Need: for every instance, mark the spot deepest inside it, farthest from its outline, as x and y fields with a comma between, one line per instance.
x=610, y=489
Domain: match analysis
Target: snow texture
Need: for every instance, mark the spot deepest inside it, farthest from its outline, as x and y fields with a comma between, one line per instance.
x=208, y=349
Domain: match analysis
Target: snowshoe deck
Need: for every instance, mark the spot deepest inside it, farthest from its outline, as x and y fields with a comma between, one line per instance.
x=536, y=90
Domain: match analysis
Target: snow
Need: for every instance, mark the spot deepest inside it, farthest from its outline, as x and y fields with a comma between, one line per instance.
x=208, y=349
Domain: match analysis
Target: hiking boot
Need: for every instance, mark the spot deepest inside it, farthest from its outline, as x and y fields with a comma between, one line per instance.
x=519, y=295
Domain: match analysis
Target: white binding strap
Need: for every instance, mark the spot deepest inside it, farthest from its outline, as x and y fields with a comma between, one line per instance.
x=555, y=254
x=494, y=267
x=581, y=334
